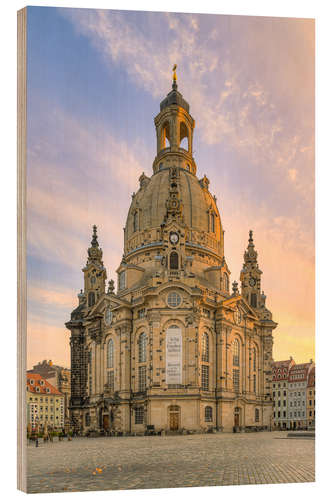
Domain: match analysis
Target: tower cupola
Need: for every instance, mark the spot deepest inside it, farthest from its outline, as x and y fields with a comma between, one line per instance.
x=174, y=132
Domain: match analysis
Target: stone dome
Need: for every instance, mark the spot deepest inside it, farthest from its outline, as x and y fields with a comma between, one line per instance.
x=149, y=206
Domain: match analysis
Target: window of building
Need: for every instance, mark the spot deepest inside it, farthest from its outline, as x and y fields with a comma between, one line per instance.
x=284, y=414
x=254, y=383
x=87, y=419
x=254, y=360
x=205, y=377
x=141, y=313
x=142, y=379
x=174, y=260
x=110, y=354
x=310, y=413
x=205, y=347
x=174, y=299
x=122, y=277
x=139, y=414
x=235, y=352
x=235, y=379
x=256, y=415
x=279, y=414
x=142, y=348
x=208, y=414
x=90, y=384
x=91, y=299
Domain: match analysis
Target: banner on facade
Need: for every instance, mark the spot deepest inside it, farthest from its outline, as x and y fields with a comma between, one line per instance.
x=174, y=356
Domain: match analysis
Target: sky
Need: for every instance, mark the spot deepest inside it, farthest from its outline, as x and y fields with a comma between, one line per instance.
x=95, y=81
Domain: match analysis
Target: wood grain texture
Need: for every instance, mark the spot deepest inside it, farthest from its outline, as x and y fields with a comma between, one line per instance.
x=21, y=247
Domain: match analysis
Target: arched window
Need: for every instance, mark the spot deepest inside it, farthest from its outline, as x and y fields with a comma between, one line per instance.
x=174, y=260
x=142, y=348
x=165, y=136
x=110, y=354
x=136, y=221
x=253, y=300
x=235, y=352
x=183, y=136
x=254, y=360
x=208, y=414
x=205, y=348
x=91, y=299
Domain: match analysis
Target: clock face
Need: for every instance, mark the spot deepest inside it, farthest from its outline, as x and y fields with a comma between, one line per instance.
x=252, y=281
x=174, y=238
x=108, y=316
x=237, y=316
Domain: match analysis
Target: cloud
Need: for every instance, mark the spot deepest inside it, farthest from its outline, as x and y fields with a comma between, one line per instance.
x=250, y=83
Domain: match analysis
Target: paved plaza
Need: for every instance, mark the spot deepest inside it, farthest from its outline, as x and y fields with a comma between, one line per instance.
x=170, y=462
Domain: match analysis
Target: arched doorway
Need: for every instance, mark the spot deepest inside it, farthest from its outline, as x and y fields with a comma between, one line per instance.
x=174, y=417
x=237, y=412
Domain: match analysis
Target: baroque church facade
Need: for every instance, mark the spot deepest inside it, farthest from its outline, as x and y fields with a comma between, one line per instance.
x=174, y=348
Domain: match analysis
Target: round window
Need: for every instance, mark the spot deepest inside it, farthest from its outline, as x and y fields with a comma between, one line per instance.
x=174, y=299
x=108, y=316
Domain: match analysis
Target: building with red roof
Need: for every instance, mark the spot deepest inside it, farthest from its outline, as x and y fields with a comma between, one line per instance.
x=45, y=404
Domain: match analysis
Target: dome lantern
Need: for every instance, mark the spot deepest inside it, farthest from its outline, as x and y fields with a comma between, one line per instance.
x=174, y=132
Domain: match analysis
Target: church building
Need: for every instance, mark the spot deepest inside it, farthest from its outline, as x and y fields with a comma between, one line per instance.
x=173, y=348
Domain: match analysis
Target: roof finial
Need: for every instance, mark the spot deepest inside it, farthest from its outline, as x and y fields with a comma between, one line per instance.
x=94, y=242
x=174, y=83
x=250, y=236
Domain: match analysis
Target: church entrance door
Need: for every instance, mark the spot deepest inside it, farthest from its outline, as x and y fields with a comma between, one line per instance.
x=106, y=422
x=174, y=418
x=237, y=417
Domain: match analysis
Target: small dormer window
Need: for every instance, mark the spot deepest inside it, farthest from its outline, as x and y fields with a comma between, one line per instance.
x=42, y=382
x=37, y=389
x=31, y=382
x=47, y=389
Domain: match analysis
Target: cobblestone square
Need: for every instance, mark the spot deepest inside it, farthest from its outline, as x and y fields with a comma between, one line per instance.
x=170, y=462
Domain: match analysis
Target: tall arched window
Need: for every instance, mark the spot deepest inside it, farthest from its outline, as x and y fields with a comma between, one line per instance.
x=205, y=362
x=142, y=369
x=91, y=299
x=205, y=348
x=142, y=348
x=254, y=359
x=165, y=136
x=235, y=352
x=174, y=260
x=183, y=136
x=110, y=354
